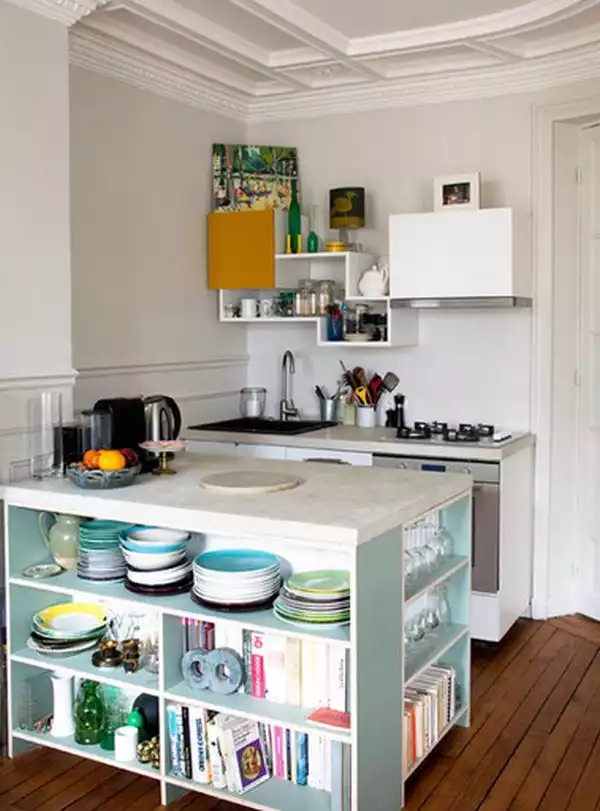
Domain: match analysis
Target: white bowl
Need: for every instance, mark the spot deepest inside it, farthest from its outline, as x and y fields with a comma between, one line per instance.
x=153, y=562
x=156, y=535
x=161, y=577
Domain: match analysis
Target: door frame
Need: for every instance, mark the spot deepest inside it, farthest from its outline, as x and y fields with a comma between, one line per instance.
x=545, y=119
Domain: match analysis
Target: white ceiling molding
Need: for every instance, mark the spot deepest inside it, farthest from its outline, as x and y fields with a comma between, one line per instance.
x=67, y=12
x=265, y=59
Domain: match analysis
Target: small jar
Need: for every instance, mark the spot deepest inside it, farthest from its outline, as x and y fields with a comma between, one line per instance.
x=306, y=300
x=325, y=295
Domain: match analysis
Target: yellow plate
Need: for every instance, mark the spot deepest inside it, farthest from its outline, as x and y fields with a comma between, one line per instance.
x=71, y=617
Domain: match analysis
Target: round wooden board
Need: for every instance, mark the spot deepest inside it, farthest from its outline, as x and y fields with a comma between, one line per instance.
x=249, y=482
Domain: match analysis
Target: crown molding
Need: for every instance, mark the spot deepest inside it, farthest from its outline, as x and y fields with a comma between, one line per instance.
x=522, y=77
x=102, y=54
x=67, y=12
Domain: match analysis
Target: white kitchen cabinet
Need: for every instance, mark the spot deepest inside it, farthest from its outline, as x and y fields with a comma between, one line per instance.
x=236, y=449
x=460, y=254
x=319, y=454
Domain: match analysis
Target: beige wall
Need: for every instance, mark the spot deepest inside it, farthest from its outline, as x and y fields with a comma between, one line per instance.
x=35, y=328
x=143, y=320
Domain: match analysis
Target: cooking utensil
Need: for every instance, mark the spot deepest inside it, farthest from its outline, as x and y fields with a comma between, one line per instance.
x=375, y=388
x=390, y=381
x=319, y=393
x=348, y=377
x=360, y=376
x=362, y=392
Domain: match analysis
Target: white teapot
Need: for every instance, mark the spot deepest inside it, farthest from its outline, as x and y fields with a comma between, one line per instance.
x=374, y=282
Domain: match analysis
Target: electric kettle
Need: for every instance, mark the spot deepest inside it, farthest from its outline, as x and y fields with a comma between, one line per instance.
x=162, y=418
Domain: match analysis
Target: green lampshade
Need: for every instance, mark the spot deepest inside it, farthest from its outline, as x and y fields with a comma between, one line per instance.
x=347, y=207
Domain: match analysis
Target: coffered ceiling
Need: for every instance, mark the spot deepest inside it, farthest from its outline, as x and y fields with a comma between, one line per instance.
x=260, y=59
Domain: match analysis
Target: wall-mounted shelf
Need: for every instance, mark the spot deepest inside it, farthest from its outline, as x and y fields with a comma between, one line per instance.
x=343, y=267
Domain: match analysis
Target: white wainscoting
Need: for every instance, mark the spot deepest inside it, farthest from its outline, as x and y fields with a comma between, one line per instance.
x=204, y=389
x=15, y=433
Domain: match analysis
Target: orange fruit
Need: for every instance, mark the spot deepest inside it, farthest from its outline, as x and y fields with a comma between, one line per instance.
x=111, y=460
x=90, y=459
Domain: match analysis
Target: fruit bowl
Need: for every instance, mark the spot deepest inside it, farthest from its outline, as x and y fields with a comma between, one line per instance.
x=102, y=479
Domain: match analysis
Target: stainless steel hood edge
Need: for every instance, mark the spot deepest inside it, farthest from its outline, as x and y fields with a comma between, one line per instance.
x=474, y=302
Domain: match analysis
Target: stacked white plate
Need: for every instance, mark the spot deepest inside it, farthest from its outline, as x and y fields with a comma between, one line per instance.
x=100, y=557
x=236, y=578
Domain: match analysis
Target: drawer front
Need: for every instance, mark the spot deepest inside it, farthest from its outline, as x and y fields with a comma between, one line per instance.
x=322, y=455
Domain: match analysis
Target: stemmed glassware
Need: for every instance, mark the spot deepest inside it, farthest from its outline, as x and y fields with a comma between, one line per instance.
x=426, y=543
x=428, y=621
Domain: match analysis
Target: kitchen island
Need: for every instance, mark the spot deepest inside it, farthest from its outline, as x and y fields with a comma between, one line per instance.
x=351, y=519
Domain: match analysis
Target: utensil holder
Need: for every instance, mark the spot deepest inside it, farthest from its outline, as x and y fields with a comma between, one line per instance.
x=365, y=416
x=328, y=410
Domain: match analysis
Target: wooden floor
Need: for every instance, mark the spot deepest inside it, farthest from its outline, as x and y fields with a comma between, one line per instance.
x=534, y=741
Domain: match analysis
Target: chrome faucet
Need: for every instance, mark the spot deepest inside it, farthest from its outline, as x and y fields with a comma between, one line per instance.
x=287, y=409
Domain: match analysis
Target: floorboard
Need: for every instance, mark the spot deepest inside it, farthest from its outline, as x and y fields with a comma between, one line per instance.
x=534, y=742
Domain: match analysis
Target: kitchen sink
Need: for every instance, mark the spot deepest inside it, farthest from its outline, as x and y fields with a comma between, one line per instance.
x=253, y=425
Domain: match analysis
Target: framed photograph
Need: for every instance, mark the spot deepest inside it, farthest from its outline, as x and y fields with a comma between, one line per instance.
x=456, y=192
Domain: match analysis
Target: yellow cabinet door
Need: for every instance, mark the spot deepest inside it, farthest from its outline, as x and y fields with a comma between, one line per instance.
x=241, y=250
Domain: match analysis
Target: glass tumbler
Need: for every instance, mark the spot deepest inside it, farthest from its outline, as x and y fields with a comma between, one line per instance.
x=45, y=432
x=253, y=402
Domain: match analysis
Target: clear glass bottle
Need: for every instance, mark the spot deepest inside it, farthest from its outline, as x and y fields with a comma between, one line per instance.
x=325, y=296
x=306, y=300
x=90, y=713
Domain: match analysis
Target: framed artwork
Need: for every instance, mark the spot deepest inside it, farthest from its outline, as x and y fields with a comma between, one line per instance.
x=456, y=192
x=249, y=177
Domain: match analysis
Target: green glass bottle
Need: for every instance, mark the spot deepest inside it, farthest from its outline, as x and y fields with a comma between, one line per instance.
x=90, y=713
x=295, y=221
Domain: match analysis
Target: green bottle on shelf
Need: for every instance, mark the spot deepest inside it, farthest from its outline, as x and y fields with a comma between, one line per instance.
x=90, y=713
x=294, y=222
x=312, y=242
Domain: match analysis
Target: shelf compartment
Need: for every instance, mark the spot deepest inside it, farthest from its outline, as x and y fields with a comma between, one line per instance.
x=274, y=795
x=80, y=664
x=427, y=581
x=70, y=746
x=457, y=717
x=430, y=649
x=257, y=709
x=180, y=605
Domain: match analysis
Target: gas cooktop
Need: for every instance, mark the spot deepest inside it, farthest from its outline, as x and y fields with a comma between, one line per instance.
x=444, y=432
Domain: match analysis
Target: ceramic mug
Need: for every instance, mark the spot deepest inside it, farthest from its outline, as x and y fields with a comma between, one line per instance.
x=249, y=308
x=266, y=308
x=365, y=416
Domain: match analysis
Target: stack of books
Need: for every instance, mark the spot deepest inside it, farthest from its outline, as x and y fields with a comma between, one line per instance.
x=430, y=705
x=238, y=754
x=286, y=670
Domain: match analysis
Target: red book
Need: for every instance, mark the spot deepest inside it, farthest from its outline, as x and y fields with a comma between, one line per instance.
x=257, y=662
x=326, y=717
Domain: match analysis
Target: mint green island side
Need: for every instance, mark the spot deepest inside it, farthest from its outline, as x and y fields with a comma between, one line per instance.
x=357, y=519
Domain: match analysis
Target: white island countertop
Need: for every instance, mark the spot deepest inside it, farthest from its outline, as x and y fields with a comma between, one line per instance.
x=374, y=440
x=337, y=505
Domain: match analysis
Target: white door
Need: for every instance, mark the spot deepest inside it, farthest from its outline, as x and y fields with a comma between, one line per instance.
x=588, y=429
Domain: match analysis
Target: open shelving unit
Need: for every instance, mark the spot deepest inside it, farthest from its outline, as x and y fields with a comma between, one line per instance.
x=379, y=669
x=345, y=268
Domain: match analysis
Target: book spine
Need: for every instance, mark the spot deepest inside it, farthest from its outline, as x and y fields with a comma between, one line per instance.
x=216, y=761
x=327, y=764
x=258, y=666
x=293, y=756
x=279, y=766
x=302, y=758
x=265, y=735
x=288, y=754
x=187, y=749
x=198, y=745
x=173, y=726
x=208, y=635
x=227, y=750
x=247, y=658
x=321, y=675
x=222, y=635
x=337, y=678
x=292, y=672
x=235, y=636
x=347, y=782
x=308, y=673
x=336, y=776
x=313, y=761
x=275, y=667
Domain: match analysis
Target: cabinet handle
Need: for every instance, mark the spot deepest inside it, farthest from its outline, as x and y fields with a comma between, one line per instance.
x=325, y=461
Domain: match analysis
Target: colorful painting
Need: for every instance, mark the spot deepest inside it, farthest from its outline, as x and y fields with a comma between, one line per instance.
x=253, y=177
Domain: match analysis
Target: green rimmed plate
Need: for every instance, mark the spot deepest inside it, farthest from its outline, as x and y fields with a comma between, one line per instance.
x=320, y=582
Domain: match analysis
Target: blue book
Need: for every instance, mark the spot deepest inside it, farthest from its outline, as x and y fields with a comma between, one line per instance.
x=173, y=720
x=302, y=758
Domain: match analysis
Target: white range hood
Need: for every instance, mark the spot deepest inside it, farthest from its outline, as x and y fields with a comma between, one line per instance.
x=477, y=258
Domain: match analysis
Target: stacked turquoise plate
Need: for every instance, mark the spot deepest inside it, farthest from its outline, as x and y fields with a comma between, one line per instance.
x=320, y=597
x=236, y=578
x=100, y=557
x=67, y=628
